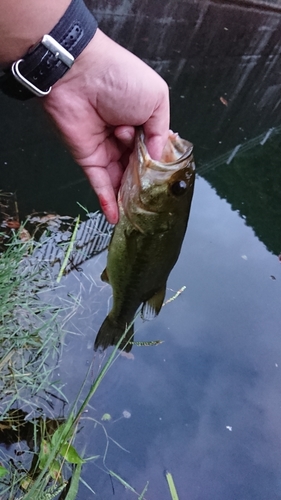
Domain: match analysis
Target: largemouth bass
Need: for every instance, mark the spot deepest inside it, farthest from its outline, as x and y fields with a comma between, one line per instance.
x=154, y=203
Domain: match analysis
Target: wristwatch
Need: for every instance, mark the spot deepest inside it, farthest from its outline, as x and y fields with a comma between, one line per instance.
x=46, y=62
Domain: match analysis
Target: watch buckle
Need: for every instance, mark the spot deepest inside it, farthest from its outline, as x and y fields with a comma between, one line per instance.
x=57, y=50
x=26, y=83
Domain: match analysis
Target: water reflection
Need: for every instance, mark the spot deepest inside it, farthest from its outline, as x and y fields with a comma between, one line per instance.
x=17, y=428
x=205, y=404
x=249, y=177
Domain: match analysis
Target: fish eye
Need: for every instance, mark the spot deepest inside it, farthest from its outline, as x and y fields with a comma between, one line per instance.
x=178, y=188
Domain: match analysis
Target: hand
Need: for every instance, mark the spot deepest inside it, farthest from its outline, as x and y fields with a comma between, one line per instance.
x=96, y=106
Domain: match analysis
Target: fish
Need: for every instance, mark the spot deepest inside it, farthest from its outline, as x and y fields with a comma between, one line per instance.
x=154, y=203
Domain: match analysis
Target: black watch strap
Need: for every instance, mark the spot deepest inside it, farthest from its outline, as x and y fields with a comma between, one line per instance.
x=48, y=61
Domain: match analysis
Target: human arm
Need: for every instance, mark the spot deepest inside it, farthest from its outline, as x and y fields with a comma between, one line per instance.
x=96, y=105
x=23, y=22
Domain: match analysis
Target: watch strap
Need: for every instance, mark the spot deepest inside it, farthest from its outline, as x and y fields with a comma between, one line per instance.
x=49, y=60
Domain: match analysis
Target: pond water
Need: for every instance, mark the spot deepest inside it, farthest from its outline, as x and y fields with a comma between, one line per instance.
x=206, y=403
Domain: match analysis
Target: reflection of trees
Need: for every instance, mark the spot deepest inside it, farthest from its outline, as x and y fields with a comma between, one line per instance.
x=251, y=183
x=16, y=428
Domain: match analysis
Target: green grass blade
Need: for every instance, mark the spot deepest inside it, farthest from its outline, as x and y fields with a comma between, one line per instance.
x=87, y=486
x=171, y=485
x=74, y=485
x=122, y=481
x=69, y=250
x=103, y=372
x=141, y=497
x=82, y=206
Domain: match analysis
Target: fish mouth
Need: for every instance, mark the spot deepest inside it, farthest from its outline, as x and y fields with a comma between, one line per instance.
x=144, y=174
x=179, y=154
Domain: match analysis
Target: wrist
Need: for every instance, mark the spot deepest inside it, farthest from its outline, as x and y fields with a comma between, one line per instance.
x=46, y=62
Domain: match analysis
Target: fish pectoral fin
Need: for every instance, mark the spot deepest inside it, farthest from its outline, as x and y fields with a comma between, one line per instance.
x=104, y=276
x=152, y=307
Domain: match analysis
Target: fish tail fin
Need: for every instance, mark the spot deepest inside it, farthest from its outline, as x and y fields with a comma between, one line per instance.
x=110, y=333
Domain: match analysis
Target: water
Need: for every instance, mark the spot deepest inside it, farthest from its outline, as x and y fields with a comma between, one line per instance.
x=206, y=403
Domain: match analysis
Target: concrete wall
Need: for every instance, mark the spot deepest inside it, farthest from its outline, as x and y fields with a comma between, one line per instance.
x=207, y=50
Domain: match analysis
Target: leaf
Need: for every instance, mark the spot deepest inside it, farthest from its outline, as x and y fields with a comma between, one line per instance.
x=70, y=454
x=4, y=427
x=26, y=482
x=106, y=416
x=45, y=450
x=3, y=471
x=55, y=470
x=57, y=436
x=171, y=485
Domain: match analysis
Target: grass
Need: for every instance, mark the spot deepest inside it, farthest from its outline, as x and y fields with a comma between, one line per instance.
x=171, y=485
x=29, y=339
x=69, y=250
x=29, y=331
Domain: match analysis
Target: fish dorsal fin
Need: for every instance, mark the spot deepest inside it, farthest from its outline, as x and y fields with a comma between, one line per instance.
x=152, y=307
x=104, y=276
